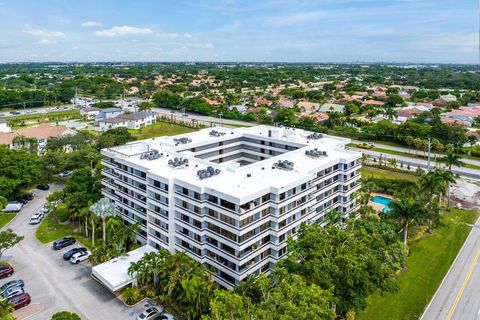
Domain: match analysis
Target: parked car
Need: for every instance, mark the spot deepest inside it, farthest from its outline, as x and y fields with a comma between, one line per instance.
x=65, y=174
x=6, y=272
x=12, y=292
x=63, y=242
x=80, y=256
x=150, y=313
x=20, y=301
x=46, y=209
x=26, y=198
x=11, y=284
x=67, y=255
x=36, y=218
x=43, y=187
x=13, y=206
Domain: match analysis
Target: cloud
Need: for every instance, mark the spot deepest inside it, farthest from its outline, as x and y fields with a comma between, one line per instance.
x=167, y=34
x=187, y=35
x=46, y=41
x=45, y=34
x=121, y=31
x=206, y=45
x=89, y=24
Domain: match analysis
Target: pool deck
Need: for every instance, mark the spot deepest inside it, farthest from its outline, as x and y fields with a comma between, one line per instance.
x=377, y=206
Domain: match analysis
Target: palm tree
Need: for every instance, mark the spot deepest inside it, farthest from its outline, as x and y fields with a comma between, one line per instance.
x=452, y=159
x=431, y=184
x=406, y=209
x=103, y=209
x=391, y=113
x=448, y=178
x=409, y=142
x=393, y=162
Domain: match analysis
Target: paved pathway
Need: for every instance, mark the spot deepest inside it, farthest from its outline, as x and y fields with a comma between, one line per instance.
x=458, y=297
x=56, y=284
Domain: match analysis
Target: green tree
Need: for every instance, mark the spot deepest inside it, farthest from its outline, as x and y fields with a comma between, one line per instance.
x=6, y=310
x=8, y=239
x=114, y=137
x=103, y=209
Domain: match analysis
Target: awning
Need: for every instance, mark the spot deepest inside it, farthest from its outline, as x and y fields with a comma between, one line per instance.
x=113, y=274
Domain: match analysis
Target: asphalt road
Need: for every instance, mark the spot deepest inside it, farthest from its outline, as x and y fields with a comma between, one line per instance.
x=178, y=116
x=56, y=284
x=413, y=162
x=458, y=297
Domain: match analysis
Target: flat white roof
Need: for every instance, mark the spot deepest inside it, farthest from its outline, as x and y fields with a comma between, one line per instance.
x=235, y=180
x=114, y=273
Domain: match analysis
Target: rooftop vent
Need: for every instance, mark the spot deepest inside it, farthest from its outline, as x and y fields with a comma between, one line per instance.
x=207, y=173
x=177, y=162
x=283, y=164
x=315, y=136
x=315, y=153
x=183, y=140
x=215, y=133
x=151, y=155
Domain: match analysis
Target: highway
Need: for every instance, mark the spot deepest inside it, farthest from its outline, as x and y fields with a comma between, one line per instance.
x=458, y=297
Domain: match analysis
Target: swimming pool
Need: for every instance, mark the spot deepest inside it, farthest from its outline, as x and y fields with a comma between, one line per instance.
x=384, y=201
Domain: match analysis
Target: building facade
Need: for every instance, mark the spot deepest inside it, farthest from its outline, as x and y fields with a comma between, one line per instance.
x=230, y=198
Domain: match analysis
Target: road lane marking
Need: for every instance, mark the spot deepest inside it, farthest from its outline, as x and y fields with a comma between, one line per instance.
x=464, y=285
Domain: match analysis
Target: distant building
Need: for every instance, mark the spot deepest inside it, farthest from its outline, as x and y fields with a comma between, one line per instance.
x=449, y=97
x=89, y=112
x=40, y=133
x=109, y=113
x=263, y=103
x=4, y=126
x=373, y=103
x=308, y=107
x=332, y=107
x=135, y=120
x=240, y=108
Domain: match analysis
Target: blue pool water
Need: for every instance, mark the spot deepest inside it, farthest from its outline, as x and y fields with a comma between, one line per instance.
x=384, y=201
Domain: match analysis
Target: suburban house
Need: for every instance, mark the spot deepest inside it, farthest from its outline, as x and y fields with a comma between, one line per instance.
x=40, y=133
x=286, y=103
x=109, y=113
x=464, y=116
x=373, y=103
x=111, y=123
x=135, y=120
x=89, y=113
x=332, y=107
x=307, y=107
x=4, y=126
x=263, y=103
x=410, y=112
x=240, y=108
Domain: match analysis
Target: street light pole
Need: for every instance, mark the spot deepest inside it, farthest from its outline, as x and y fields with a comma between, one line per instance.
x=429, y=151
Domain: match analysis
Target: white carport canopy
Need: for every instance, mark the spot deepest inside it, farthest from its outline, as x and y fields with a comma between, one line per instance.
x=114, y=273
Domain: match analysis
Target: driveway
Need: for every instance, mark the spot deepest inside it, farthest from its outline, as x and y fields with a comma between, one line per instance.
x=55, y=284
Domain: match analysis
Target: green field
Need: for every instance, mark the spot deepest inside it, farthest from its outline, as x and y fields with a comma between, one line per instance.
x=6, y=218
x=160, y=129
x=56, y=225
x=51, y=116
x=428, y=262
x=385, y=173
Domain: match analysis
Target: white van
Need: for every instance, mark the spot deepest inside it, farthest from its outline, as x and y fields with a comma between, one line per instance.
x=13, y=207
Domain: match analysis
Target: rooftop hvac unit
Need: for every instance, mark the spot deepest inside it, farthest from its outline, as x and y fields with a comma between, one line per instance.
x=177, y=162
x=315, y=136
x=183, y=140
x=283, y=164
x=215, y=133
x=208, y=172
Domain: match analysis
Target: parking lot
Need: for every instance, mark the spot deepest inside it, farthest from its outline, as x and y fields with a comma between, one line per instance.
x=53, y=283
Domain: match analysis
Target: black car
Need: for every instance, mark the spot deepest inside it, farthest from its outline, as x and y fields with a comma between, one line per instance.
x=26, y=198
x=67, y=255
x=43, y=187
x=63, y=242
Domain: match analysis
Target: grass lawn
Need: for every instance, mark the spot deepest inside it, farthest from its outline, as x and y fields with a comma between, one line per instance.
x=160, y=129
x=53, y=227
x=428, y=262
x=51, y=116
x=6, y=218
x=385, y=173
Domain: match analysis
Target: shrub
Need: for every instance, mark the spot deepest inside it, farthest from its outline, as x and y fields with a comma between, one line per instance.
x=132, y=295
x=65, y=315
x=61, y=213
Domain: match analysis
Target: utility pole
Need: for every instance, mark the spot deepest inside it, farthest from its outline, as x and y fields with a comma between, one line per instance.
x=429, y=151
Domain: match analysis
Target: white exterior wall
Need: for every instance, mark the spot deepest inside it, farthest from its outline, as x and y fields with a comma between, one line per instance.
x=236, y=241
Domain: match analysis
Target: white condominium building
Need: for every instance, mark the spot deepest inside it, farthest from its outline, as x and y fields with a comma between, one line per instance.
x=230, y=198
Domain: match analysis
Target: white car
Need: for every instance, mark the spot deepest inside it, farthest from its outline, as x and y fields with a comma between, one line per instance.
x=150, y=313
x=12, y=292
x=45, y=209
x=80, y=256
x=36, y=218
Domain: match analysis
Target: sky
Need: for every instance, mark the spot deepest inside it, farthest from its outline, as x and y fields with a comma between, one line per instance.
x=421, y=31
